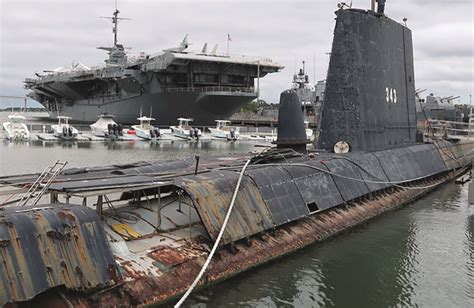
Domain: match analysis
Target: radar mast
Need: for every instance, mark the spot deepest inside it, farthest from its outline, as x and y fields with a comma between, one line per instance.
x=117, y=53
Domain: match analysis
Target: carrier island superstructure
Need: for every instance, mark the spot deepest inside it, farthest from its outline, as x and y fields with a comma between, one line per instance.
x=174, y=83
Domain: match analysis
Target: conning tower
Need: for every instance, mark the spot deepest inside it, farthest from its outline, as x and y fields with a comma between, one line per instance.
x=370, y=90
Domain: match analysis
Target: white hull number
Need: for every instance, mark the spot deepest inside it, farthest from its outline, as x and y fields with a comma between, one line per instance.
x=391, y=95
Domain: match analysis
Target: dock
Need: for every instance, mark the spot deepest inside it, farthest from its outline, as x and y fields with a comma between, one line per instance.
x=166, y=136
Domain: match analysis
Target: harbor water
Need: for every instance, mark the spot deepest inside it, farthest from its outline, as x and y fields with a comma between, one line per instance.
x=419, y=255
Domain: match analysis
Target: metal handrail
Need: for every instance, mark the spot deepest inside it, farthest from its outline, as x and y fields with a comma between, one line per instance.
x=26, y=197
x=50, y=170
x=451, y=128
x=212, y=89
x=50, y=180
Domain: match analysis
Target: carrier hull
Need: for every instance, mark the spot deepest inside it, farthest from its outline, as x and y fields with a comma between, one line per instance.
x=203, y=107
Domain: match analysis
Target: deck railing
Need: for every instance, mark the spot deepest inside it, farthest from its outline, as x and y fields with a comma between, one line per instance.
x=449, y=129
x=212, y=89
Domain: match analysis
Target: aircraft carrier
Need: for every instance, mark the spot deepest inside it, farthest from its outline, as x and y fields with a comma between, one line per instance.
x=174, y=83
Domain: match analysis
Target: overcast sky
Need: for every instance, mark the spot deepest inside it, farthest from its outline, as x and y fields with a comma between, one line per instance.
x=45, y=34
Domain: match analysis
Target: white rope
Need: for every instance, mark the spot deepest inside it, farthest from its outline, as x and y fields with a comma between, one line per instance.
x=216, y=243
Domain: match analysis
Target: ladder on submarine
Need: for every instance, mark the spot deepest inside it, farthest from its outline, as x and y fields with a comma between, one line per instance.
x=42, y=183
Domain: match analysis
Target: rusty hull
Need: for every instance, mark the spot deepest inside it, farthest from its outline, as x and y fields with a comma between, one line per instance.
x=183, y=265
x=49, y=246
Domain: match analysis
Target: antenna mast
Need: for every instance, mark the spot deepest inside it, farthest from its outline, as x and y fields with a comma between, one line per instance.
x=115, y=19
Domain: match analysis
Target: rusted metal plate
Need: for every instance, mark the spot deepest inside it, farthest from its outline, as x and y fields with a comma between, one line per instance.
x=370, y=170
x=315, y=186
x=212, y=193
x=280, y=193
x=344, y=174
x=428, y=159
x=169, y=257
x=48, y=246
x=408, y=163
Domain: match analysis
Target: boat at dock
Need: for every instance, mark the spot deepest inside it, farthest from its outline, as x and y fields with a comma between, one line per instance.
x=15, y=128
x=224, y=130
x=145, y=130
x=106, y=127
x=185, y=131
x=63, y=130
x=144, y=233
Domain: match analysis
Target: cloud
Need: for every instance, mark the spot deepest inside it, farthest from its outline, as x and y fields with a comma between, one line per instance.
x=38, y=35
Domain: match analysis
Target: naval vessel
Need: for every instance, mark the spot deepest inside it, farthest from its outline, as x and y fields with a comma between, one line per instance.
x=138, y=234
x=441, y=108
x=205, y=85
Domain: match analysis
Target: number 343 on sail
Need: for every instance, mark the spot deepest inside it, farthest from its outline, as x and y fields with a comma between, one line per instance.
x=391, y=95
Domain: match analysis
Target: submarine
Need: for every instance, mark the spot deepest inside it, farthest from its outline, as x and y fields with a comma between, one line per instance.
x=152, y=232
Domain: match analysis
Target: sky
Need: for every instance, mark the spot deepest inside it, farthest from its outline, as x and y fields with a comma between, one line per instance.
x=46, y=34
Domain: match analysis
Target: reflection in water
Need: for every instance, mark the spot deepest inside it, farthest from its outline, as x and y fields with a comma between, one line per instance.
x=370, y=266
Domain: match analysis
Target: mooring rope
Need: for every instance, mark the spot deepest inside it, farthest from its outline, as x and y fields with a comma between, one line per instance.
x=216, y=243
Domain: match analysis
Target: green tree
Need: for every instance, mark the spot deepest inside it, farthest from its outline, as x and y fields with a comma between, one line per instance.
x=253, y=106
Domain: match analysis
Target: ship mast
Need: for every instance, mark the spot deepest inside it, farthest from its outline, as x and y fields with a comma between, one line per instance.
x=115, y=20
x=117, y=53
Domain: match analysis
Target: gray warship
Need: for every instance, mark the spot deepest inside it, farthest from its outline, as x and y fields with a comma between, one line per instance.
x=174, y=83
x=441, y=108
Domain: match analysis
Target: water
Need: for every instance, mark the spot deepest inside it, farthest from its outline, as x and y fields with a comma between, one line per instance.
x=421, y=255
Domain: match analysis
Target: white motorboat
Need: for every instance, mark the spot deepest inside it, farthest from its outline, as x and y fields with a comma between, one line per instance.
x=64, y=130
x=15, y=128
x=185, y=131
x=106, y=127
x=145, y=130
x=309, y=132
x=224, y=130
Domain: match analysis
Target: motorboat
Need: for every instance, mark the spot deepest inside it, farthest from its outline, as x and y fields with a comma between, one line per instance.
x=185, y=131
x=106, y=127
x=224, y=130
x=64, y=130
x=15, y=128
x=309, y=132
x=145, y=130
